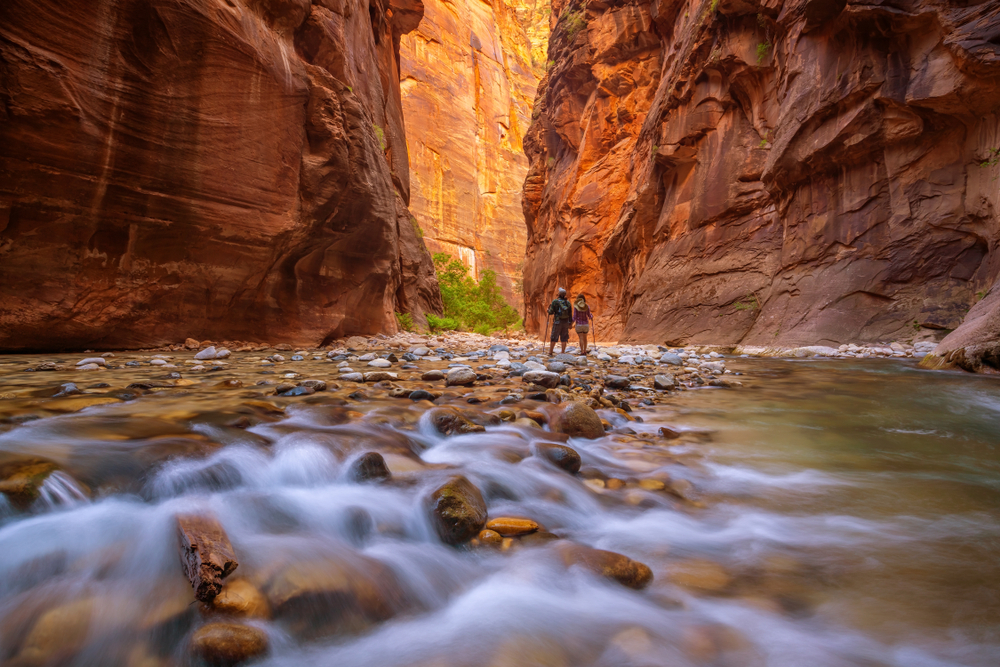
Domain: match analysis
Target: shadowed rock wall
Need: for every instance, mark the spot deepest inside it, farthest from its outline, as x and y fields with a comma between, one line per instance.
x=212, y=168
x=780, y=172
x=468, y=82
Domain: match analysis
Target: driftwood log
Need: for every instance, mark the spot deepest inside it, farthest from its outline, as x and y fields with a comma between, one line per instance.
x=206, y=554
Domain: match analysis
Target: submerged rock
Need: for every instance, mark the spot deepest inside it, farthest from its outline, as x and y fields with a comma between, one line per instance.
x=449, y=421
x=561, y=456
x=20, y=480
x=511, y=527
x=609, y=564
x=458, y=510
x=239, y=597
x=369, y=467
x=227, y=644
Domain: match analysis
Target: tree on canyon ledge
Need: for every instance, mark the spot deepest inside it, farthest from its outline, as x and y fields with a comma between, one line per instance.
x=469, y=305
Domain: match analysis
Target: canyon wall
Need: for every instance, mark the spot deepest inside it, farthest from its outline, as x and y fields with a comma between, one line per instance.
x=782, y=172
x=468, y=82
x=224, y=169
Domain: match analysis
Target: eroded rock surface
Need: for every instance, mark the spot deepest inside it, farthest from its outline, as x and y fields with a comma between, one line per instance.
x=469, y=74
x=794, y=172
x=220, y=168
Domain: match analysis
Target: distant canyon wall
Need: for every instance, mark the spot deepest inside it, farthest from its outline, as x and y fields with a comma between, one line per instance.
x=469, y=75
x=782, y=172
x=224, y=169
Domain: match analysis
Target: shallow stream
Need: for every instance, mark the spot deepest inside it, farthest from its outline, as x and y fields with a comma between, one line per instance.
x=838, y=513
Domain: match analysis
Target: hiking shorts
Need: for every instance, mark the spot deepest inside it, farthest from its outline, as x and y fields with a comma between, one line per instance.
x=560, y=332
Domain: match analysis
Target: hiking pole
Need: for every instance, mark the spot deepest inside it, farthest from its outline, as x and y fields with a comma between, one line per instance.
x=545, y=330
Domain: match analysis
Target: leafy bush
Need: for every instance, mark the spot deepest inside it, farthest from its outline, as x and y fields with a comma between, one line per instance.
x=441, y=323
x=469, y=305
x=405, y=321
x=993, y=159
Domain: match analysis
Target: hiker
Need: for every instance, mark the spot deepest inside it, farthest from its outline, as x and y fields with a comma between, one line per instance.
x=582, y=318
x=562, y=316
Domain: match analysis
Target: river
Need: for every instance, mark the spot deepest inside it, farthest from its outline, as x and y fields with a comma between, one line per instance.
x=826, y=514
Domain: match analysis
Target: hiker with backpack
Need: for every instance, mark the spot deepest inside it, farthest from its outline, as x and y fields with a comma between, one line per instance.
x=582, y=318
x=562, y=317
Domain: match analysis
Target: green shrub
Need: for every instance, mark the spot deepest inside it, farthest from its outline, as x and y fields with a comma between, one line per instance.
x=380, y=134
x=762, y=50
x=405, y=321
x=416, y=227
x=993, y=159
x=469, y=305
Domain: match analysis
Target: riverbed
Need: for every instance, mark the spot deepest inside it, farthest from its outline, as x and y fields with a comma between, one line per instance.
x=825, y=513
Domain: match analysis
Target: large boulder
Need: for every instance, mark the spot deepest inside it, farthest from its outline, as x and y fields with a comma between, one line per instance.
x=458, y=510
x=975, y=345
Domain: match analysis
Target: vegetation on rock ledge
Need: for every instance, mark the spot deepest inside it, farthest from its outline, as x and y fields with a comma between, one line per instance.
x=469, y=305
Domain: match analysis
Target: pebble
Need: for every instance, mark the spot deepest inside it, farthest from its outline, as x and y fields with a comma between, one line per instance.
x=88, y=367
x=207, y=353
x=616, y=381
x=352, y=377
x=665, y=381
x=432, y=376
x=380, y=363
x=460, y=376
x=511, y=527
x=99, y=361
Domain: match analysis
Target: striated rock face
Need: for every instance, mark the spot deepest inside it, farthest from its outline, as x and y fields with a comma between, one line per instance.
x=779, y=172
x=468, y=82
x=210, y=168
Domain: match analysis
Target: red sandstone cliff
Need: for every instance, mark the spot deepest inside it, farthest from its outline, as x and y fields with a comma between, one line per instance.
x=778, y=172
x=468, y=82
x=209, y=168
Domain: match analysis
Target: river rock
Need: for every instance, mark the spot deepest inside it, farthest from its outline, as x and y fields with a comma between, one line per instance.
x=671, y=359
x=616, y=382
x=432, y=376
x=228, y=644
x=511, y=527
x=664, y=381
x=609, y=564
x=206, y=553
x=192, y=344
x=578, y=420
x=100, y=361
x=489, y=537
x=419, y=351
x=207, y=353
x=380, y=363
x=545, y=379
x=561, y=456
x=352, y=377
x=379, y=376
x=421, y=395
x=317, y=385
x=458, y=510
x=369, y=467
x=239, y=597
x=449, y=421
x=460, y=376
x=556, y=367
x=21, y=479
x=333, y=596
x=223, y=354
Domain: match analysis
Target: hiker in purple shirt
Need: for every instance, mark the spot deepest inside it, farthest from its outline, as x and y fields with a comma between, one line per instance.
x=582, y=318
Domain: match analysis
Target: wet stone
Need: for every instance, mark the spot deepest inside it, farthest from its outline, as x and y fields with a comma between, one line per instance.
x=542, y=378
x=561, y=456
x=458, y=510
x=448, y=421
x=664, y=381
x=609, y=564
x=432, y=376
x=460, y=377
x=369, y=467
x=616, y=382
x=578, y=420
x=511, y=527
x=20, y=480
x=239, y=597
x=228, y=644
x=421, y=395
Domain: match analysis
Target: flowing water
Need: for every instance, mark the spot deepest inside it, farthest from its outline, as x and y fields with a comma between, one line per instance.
x=840, y=513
